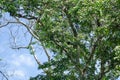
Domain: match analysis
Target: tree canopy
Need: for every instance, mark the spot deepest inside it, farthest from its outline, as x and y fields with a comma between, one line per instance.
x=84, y=36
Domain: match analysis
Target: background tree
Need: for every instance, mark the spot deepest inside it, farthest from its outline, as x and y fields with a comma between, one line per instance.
x=84, y=36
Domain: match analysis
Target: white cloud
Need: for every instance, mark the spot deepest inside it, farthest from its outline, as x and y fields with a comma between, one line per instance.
x=19, y=60
x=19, y=73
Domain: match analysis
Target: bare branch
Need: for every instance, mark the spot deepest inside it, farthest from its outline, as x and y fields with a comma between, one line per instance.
x=21, y=47
x=4, y=75
x=28, y=28
x=6, y=24
x=36, y=59
x=46, y=53
x=13, y=37
x=33, y=35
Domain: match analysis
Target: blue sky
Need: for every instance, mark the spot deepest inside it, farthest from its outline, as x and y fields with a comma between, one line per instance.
x=19, y=64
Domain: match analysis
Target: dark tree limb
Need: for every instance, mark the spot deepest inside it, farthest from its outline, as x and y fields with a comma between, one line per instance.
x=4, y=75
x=70, y=22
x=28, y=17
x=91, y=55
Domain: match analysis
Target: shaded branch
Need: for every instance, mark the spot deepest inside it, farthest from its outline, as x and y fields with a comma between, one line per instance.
x=91, y=55
x=102, y=72
x=29, y=17
x=69, y=21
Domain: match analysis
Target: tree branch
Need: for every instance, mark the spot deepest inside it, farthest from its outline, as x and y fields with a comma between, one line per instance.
x=70, y=22
x=28, y=28
x=91, y=55
x=29, y=17
x=47, y=54
x=35, y=57
x=4, y=75
x=6, y=24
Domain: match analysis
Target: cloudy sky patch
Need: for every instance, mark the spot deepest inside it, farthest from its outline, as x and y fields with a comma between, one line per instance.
x=22, y=59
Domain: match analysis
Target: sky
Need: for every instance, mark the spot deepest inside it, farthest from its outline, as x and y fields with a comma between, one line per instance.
x=17, y=64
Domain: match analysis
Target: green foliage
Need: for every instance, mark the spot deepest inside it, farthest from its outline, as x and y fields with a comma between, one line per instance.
x=117, y=58
x=81, y=33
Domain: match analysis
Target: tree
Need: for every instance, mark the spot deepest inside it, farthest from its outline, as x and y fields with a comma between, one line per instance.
x=84, y=36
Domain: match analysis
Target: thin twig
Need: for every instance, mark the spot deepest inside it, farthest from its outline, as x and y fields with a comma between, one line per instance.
x=6, y=24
